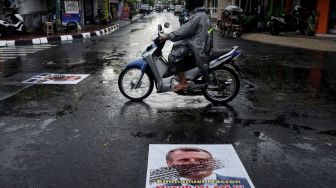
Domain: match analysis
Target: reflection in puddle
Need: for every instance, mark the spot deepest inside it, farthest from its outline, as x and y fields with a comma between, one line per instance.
x=268, y=147
x=305, y=146
x=171, y=101
x=36, y=92
x=310, y=80
x=208, y=122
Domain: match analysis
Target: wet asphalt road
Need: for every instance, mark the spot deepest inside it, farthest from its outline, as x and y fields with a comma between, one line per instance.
x=282, y=123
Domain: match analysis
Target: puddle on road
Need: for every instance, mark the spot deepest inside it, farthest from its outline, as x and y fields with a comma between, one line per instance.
x=137, y=29
x=170, y=101
x=329, y=132
x=312, y=78
x=42, y=100
x=144, y=19
x=208, y=122
x=10, y=68
x=305, y=146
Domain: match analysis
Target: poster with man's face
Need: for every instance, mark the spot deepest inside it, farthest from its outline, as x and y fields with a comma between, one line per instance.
x=195, y=166
x=54, y=78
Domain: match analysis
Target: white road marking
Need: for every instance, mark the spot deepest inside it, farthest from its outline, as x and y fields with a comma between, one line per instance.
x=12, y=52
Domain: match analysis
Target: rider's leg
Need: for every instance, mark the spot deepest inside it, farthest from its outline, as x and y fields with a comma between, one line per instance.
x=205, y=72
x=183, y=82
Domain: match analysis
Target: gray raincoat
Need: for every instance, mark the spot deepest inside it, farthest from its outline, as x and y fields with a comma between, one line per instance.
x=195, y=36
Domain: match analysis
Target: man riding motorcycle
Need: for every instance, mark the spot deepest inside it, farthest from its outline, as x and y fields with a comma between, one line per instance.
x=193, y=38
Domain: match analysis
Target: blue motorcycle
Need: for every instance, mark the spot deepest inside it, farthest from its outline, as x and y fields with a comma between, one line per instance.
x=137, y=80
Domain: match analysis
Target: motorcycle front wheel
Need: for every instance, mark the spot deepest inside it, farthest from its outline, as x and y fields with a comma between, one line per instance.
x=127, y=82
x=225, y=88
x=24, y=30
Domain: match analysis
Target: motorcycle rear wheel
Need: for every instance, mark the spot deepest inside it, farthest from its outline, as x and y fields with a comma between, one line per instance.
x=274, y=31
x=127, y=81
x=226, y=87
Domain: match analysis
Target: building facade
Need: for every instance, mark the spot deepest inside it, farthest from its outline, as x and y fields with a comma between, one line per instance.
x=263, y=9
x=36, y=12
x=326, y=12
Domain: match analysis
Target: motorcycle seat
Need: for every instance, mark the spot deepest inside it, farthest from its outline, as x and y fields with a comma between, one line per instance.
x=217, y=53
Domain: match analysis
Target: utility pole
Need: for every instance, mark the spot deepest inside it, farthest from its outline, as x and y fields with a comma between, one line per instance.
x=58, y=21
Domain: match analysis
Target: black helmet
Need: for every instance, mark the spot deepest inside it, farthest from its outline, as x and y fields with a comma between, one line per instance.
x=192, y=4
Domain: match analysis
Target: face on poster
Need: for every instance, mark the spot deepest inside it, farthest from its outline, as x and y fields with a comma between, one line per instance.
x=50, y=78
x=195, y=166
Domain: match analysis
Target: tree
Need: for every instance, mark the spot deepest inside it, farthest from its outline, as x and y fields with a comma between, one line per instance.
x=150, y=2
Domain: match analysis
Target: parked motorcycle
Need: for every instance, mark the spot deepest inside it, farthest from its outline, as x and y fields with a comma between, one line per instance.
x=231, y=21
x=312, y=20
x=286, y=23
x=137, y=80
x=16, y=26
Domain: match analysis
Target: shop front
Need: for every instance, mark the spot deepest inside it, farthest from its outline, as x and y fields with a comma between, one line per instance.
x=332, y=17
x=101, y=11
x=113, y=9
x=326, y=10
x=88, y=12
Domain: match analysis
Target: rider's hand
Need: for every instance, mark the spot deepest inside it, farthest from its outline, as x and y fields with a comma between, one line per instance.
x=163, y=38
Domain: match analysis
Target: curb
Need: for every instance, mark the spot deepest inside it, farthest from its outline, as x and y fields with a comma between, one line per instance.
x=47, y=40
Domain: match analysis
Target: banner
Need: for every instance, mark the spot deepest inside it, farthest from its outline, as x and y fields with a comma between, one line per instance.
x=195, y=166
x=51, y=78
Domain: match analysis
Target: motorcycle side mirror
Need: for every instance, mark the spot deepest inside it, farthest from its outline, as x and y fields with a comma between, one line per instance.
x=160, y=27
x=167, y=25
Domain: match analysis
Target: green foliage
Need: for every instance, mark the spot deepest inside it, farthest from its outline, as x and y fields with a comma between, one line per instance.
x=150, y=2
x=249, y=23
x=278, y=11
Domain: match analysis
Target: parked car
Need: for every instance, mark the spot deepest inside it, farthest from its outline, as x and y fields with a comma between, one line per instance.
x=144, y=9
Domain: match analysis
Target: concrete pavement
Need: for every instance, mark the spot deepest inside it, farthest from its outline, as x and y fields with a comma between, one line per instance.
x=310, y=43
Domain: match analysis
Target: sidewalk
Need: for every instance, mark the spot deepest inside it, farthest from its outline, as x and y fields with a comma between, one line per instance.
x=87, y=31
x=320, y=43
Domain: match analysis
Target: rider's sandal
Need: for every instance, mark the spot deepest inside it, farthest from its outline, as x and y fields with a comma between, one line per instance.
x=181, y=89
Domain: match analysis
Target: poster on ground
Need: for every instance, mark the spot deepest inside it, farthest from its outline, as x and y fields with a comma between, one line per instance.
x=195, y=166
x=52, y=78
